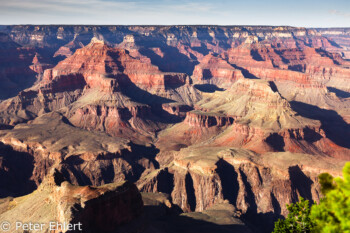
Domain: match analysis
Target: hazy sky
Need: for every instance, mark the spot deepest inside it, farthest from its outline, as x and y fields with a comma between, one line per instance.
x=308, y=13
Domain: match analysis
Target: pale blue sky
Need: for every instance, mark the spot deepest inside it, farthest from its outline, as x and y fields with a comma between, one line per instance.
x=308, y=13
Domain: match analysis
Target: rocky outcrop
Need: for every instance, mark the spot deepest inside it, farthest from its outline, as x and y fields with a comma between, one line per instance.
x=97, y=61
x=38, y=66
x=81, y=208
x=128, y=122
x=206, y=120
x=258, y=185
x=252, y=114
x=254, y=101
x=109, y=71
x=179, y=110
x=216, y=71
x=83, y=157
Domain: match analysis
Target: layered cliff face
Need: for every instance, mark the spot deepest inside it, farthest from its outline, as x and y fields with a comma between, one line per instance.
x=213, y=70
x=258, y=185
x=253, y=115
x=117, y=207
x=254, y=101
x=231, y=120
x=82, y=157
x=106, y=68
x=103, y=88
x=340, y=36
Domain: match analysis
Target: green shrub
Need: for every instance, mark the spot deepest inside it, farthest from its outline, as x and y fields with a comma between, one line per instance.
x=298, y=219
x=333, y=212
x=332, y=215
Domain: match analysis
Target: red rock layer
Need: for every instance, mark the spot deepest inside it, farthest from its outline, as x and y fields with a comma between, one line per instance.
x=206, y=120
x=103, y=67
x=127, y=122
x=214, y=70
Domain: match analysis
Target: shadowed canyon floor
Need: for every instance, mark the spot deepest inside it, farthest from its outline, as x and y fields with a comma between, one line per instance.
x=218, y=127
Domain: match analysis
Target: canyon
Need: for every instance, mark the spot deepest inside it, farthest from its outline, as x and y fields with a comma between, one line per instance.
x=169, y=128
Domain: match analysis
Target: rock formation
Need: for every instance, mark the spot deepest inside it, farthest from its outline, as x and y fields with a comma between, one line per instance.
x=62, y=207
x=200, y=177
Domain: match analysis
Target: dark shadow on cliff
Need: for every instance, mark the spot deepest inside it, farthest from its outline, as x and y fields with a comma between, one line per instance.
x=255, y=55
x=263, y=222
x=165, y=182
x=229, y=181
x=333, y=43
x=158, y=219
x=207, y=74
x=339, y=93
x=208, y=88
x=16, y=170
x=191, y=196
x=280, y=52
x=135, y=157
x=276, y=141
x=245, y=72
x=276, y=205
x=4, y=126
x=311, y=136
x=135, y=93
x=249, y=197
x=172, y=60
x=187, y=224
x=72, y=166
x=76, y=170
x=273, y=86
x=333, y=124
x=202, y=49
x=20, y=77
x=324, y=53
x=162, y=116
x=300, y=183
x=129, y=89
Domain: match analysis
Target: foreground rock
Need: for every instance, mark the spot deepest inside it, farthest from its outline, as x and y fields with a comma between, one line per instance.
x=86, y=208
x=259, y=186
x=28, y=152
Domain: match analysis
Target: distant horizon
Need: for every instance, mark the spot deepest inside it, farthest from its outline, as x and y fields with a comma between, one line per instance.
x=297, y=13
x=172, y=25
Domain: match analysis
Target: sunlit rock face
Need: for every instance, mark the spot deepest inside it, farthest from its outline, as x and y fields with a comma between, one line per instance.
x=233, y=120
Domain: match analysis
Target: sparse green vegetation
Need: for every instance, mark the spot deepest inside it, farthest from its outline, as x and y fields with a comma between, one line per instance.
x=298, y=219
x=331, y=215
